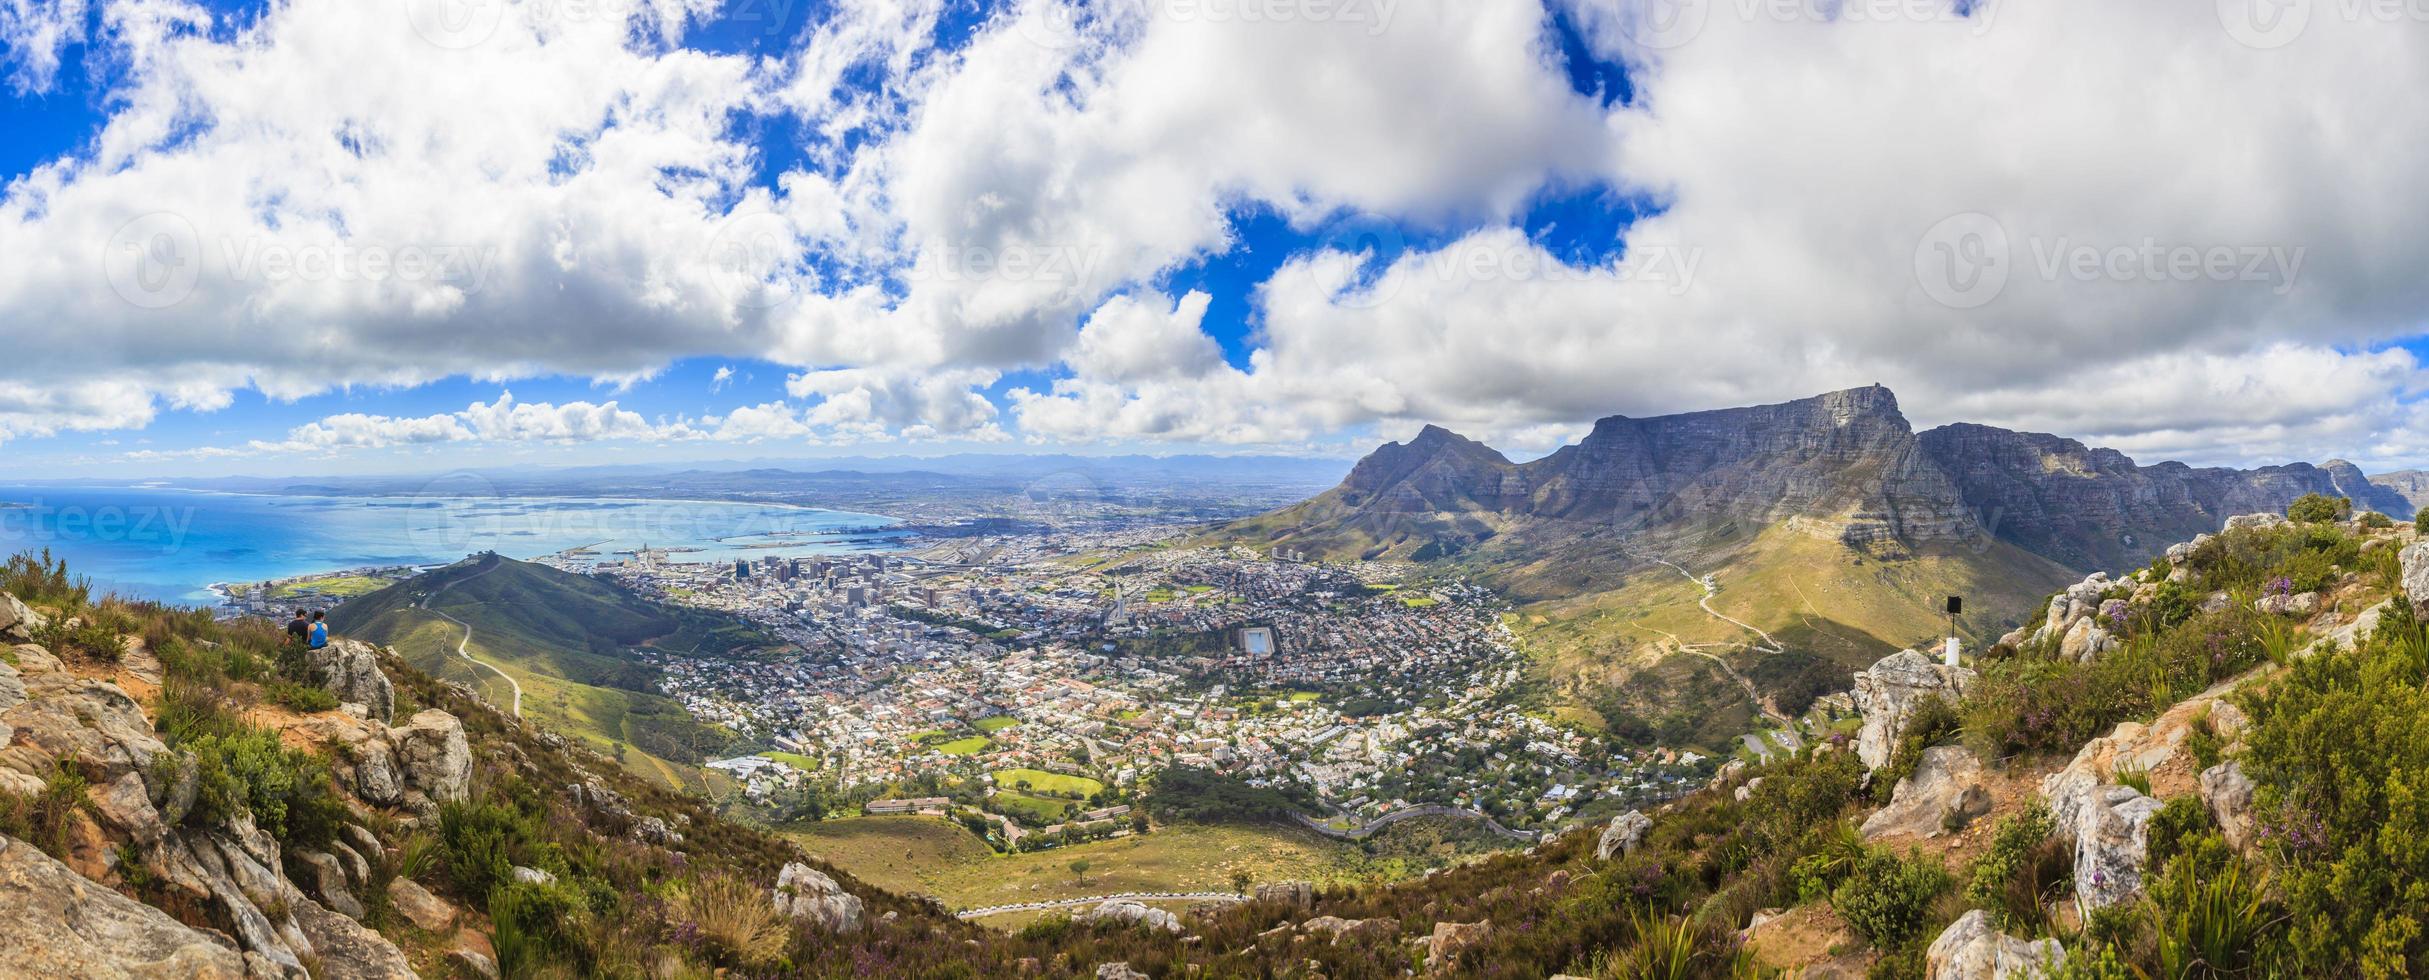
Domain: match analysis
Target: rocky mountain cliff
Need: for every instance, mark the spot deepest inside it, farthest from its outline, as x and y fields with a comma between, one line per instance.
x=1842, y=465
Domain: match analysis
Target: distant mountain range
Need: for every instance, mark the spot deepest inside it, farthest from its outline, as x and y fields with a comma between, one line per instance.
x=1827, y=522
x=1843, y=465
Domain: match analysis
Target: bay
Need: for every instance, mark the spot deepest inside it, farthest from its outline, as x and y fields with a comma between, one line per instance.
x=173, y=544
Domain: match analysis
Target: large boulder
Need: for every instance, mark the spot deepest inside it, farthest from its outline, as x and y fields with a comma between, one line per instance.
x=346, y=949
x=2414, y=561
x=1135, y=914
x=1452, y=938
x=419, y=906
x=2258, y=522
x=2112, y=846
x=1945, y=792
x=1622, y=836
x=60, y=924
x=2085, y=641
x=1971, y=948
x=1296, y=894
x=432, y=752
x=2351, y=634
x=17, y=622
x=2075, y=604
x=350, y=669
x=91, y=722
x=325, y=878
x=2228, y=794
x=806, y=893
x=2301, y=605
x=1893, y=691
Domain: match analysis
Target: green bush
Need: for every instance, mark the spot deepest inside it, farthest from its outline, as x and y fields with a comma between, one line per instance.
x=41, y=580
x=287, y=791
x=2026, y=867
x=1886, y=899
x=2420, y=521
x=301, y=697
x=2313, y=508
x=2376, y=521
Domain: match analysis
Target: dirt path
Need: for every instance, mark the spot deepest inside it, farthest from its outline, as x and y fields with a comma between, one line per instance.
x=461, y=647
x=1768, y=645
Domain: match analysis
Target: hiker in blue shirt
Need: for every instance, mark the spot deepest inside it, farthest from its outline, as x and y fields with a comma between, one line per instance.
x=320, y=629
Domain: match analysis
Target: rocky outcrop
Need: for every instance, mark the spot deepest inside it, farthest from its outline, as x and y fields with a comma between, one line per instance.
x=2112, y=827
x=350, y=669
x=17, y=621
x=2301, y=605
x=1133, y=914
x=1622, y=836
x=432, y=752
x=326, y=880
x=1119, y=971
x=346, y=949
x=420, y=907
x=60, y=924
x=1972, y=948
x=1296, y=894
x=1892, y=691
x=2228, y=794
x=808, y=894
x=2414, y=560
x=1452, y=938
x=1944, y=794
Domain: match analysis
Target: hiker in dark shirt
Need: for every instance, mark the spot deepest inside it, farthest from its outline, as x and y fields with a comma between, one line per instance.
x=320, y=630
x=299, y=632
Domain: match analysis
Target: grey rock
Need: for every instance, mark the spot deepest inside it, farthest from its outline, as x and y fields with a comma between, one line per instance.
x=2414, y=562
x=2228, y=794
x=2302, y=605
x=17, y=621
x=126, y=805
x=350, y=669
x=358, y=870
x=1892, y=691
x=533, y=876
x=806, y=893
x=12, y=689
x=1946, y=787
x=325, y=879
x=432, y=752
x=2085, y=641
x=1296, y=894
x=1622, y=836
x=1119, y=971
x=2261, y=522
x=60, y=924
x=654, y=830
x=1971, y=948
x=419, y=906
x=348, y=950
x=473, y=962
x=364, y=841
x=1128, y=913
x=2112, y=846
x=1449, y=939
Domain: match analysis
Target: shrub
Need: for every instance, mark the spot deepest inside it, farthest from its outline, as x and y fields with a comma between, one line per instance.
x=737, y=922
x=2420, y=521
x=2375, y=521
x=2313, y=508
x=44, y=818
x=2026, y=866
x=43, y=581
x=287, y=791
x=532, y=926
x=2207, y=925
x=1886, y=899
x=301, y=697
x=1933, y=722
x=2174, y=826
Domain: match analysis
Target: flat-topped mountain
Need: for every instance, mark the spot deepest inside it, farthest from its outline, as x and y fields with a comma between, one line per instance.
x=1827, y=522
x=1843, y=465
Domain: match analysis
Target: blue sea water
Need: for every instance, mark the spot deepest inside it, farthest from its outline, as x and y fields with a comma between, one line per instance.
x=171, y=544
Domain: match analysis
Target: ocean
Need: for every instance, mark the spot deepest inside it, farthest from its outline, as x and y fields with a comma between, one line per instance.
x=172, y=545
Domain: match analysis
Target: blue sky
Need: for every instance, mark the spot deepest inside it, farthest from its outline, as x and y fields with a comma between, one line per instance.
x=1156, y=225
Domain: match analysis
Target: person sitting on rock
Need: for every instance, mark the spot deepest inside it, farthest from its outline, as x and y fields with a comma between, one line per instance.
x=299, y=632
x=320, y=629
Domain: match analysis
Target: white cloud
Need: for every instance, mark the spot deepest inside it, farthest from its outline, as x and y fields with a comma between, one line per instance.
x=32, y=32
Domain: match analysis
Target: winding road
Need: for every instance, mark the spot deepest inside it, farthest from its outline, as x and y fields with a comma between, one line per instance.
x=1064, y=903
x=1769, y=645
x=461, y=646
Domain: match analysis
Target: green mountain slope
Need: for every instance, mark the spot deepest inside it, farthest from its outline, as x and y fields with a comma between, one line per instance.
x=566, y=640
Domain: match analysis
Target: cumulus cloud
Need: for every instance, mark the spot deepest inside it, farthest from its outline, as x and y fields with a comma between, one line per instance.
x=2192, y=241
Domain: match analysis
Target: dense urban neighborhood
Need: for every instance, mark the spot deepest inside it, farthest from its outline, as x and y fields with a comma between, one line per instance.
x=1032, y=687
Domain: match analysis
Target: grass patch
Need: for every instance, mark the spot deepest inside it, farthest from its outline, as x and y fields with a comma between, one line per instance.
x=972, y=745
x=996, y=724
x=1048, y=782
x=795, y=760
